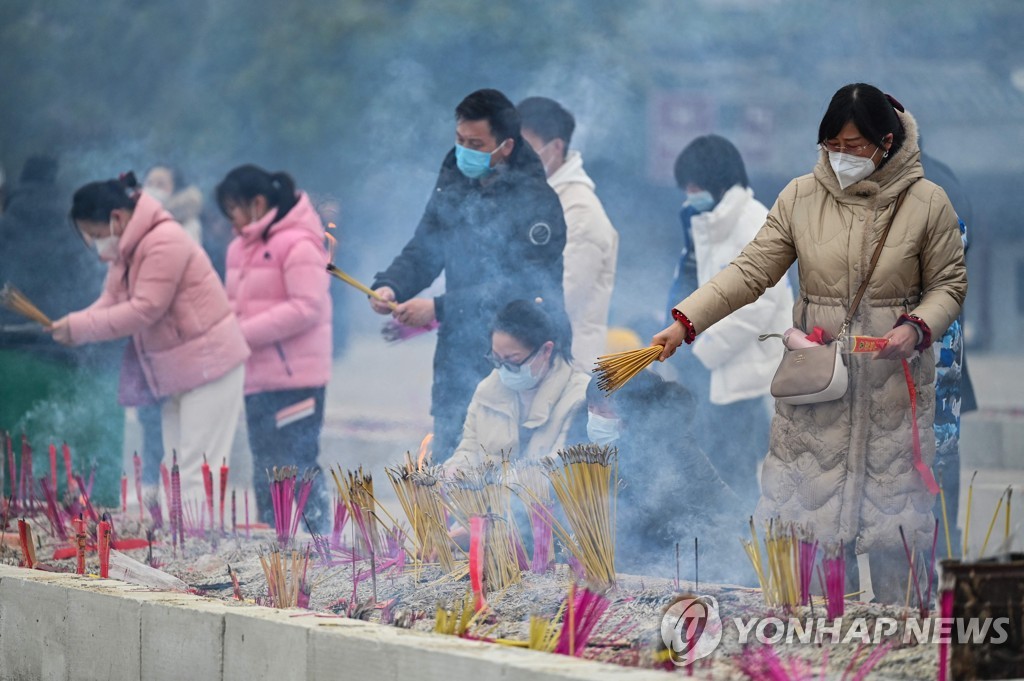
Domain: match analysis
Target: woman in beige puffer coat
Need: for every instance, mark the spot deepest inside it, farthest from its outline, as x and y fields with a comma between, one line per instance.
x=844, y=469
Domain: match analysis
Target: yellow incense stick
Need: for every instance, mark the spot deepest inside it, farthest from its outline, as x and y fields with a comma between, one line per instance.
x=992, y=524
x=945, y=520
x=351, y=281
x=967, y=521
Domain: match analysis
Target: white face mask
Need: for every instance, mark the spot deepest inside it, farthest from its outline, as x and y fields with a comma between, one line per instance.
x=602, y=430
x=106, y=246
x=850, y=169
x=160, y=195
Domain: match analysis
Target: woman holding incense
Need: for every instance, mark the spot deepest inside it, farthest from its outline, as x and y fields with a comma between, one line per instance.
x=671, y=491
x=845, y=468
x=525, y=406
x=278, y=285
x=161, y=291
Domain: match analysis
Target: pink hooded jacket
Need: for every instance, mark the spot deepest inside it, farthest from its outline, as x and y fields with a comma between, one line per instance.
x=164, y=293
x=280, y=290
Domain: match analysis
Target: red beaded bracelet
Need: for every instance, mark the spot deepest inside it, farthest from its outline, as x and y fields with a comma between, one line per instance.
x=926, y=332
x=691, y=333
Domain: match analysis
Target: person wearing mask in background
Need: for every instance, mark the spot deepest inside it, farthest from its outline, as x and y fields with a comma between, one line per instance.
x=525, y=406
x=167, y=184
x=495, y=228
x=670, y=491
x=591, y=243
x=278, y=285
x=845, y=468
x=50, y=392
x=186, y=348
x=954, y=391
x=723, y=217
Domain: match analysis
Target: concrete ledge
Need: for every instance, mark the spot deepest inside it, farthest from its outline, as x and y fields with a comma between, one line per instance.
x=69, y=627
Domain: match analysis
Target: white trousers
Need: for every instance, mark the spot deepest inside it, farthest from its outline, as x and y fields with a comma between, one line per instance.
x=202, y=421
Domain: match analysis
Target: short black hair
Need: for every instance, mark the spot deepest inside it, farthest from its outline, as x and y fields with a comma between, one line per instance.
x=535, y=322
x=547, y=118
x=713, y=163
x=495, y=108
x=870, y=109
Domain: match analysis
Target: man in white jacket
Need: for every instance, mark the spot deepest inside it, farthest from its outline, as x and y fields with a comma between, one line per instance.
x=592, y=244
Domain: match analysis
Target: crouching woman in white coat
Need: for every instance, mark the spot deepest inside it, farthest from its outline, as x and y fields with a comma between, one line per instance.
x=526, y=405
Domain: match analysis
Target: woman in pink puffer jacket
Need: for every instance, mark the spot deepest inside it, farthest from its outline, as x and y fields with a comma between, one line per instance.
x=278, y=285
x=161, y=291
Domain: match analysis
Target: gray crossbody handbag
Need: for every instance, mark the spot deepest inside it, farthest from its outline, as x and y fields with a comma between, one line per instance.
x=818, y=374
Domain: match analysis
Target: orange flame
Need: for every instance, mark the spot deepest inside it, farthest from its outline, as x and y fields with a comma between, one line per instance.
x=332, y=244
x=424, y=450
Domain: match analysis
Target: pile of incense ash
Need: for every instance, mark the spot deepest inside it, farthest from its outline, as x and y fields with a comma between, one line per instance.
x=515, y=554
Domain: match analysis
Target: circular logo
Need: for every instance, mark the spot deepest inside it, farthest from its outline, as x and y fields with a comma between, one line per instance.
x=540, y=234
x=691, y=629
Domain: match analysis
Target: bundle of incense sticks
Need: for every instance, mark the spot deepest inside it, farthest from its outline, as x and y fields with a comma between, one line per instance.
x=286, y=577
x=340, y=519
x=354, y=283
x=613, y=371
x=28, y=546
x=833, y=564
x=455, y=621
x=586, y=481
x=16, y=301
x=288, y=495
x=418, y=491
x=356, y=491
x=584, y=609
x=480, y=492
x=537, y=497
x=786, y=568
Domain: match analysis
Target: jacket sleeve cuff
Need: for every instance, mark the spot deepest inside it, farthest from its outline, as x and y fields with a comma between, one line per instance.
x=439, y=308
x=691, y=333
x=924, y=333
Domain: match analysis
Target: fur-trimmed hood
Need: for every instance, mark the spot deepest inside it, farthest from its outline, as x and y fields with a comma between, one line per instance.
x=882, y=186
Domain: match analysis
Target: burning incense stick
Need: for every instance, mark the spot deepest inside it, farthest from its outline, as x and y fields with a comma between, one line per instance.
x=585, y=479
x=616, y=369
x=284, y=585
x=16, y=301
x=356, y=490
x=910, y=559
x=351, y=281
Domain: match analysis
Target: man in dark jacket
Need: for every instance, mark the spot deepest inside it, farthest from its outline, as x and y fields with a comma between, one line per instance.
x=495, y=228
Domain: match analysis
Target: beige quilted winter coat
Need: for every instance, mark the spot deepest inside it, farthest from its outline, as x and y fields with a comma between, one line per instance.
x=845, y=468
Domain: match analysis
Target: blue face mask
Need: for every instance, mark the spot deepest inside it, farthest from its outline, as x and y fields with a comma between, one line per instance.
x=472, y=163
x=602, y=430
x=700, y=202
x=519, y=379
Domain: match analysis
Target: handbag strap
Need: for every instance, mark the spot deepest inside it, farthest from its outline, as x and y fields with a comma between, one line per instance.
x=871, y=266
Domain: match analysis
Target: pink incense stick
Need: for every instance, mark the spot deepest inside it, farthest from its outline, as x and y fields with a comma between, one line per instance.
x=66, y=451
x=124, y=492
x=223, y=490
x=27, y=488
x=176, y=511
x=53, y=465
